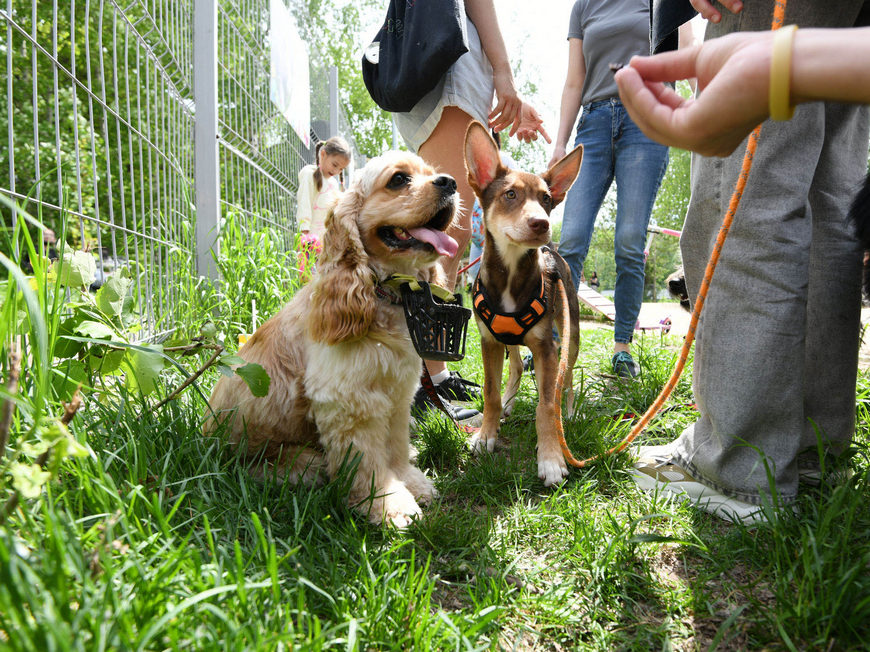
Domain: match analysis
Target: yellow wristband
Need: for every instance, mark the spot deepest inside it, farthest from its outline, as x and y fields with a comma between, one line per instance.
x=781, y=107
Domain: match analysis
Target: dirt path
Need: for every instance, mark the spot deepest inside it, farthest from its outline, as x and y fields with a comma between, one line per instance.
x=651, y=314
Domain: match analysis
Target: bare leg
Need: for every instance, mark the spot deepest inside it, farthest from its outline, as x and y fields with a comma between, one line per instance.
x=445, y=151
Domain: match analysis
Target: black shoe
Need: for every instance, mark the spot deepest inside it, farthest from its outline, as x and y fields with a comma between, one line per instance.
x=456, y=388
x=464, y=416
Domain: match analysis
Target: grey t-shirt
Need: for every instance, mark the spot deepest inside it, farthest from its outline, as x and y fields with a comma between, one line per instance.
x=612, y=32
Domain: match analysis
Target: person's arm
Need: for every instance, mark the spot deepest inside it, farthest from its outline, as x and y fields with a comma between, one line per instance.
x=832, y=65
x=572, y=96
x=510, y=110
x=482, y=14
x=734, y=79
x=305, y=199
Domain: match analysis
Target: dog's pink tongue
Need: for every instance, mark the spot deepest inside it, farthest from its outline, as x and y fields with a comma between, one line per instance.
x=443, y=243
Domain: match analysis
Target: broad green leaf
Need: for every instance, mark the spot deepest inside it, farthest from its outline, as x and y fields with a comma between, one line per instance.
x=112, y=295
x=225, y=370
x=66, y=378
x=77, y=268
x=95, y=329
x=105, y=361
x=231, y=359
x=143, y=367
x=256, y=377
x=63, y=347
x=62, y=441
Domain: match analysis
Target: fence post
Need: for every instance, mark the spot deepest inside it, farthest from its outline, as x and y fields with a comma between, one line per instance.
x=206, y=167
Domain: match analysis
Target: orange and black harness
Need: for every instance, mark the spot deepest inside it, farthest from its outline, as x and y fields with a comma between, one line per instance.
x=510, y=327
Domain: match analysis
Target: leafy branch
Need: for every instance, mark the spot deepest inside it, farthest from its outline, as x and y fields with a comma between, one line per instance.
x=69, y=411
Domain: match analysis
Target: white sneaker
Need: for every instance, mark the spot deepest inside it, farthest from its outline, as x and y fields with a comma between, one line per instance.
x=654, y=470
x=833, y=476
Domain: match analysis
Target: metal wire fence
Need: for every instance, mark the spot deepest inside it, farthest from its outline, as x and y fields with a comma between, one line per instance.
x=101, y=122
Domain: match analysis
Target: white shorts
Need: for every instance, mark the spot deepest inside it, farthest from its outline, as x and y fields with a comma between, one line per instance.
x=467, y=85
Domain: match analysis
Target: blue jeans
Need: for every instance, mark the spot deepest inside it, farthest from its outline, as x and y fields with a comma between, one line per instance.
x=474, y=252
x=614, y=148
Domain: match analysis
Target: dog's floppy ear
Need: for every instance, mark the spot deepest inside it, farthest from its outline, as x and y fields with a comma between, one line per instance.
x=481, y=157
x=561, y=176
x=343, y=300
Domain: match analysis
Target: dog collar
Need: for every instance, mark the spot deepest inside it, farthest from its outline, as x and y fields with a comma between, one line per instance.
x=389, y=289
x=509, y=327
x=388, y=294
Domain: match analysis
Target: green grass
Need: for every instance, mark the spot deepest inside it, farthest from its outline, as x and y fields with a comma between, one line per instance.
x=159, y=539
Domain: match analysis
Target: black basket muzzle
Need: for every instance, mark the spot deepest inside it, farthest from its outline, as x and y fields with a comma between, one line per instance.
x=438, y=328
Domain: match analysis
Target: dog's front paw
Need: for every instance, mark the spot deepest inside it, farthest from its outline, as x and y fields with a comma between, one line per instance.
x=553, y=471
x=482, y=441
x=396, y=506
x=419, y=485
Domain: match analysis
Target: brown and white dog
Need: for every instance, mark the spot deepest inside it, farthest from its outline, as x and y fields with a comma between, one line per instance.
x=516, y=299
x=342, y=366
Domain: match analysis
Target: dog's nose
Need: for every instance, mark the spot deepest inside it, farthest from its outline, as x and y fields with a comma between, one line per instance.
x=446, y=183
x=538, y=225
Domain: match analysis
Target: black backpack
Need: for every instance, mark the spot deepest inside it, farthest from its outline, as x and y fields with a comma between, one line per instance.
x=417, y=44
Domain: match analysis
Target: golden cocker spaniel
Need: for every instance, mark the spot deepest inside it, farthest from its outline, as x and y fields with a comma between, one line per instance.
x=342, y=366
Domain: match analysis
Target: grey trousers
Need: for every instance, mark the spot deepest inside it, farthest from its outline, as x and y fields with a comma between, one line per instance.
x=777, y=347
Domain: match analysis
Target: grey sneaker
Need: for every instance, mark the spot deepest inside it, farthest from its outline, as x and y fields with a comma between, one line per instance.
x=624, y=365
x=656, y=471
x=814, y=477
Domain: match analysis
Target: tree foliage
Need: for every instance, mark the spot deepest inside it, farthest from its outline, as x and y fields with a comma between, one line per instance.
x=331, y=28
x=98, y=125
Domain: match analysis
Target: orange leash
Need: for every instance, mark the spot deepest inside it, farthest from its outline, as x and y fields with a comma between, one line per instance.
x=751, y=147
x=560, y=379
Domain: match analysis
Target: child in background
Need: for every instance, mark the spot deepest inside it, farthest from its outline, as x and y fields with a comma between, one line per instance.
x=318, y=191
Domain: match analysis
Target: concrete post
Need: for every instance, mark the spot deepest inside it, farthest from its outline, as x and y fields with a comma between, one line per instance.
x=206, y=161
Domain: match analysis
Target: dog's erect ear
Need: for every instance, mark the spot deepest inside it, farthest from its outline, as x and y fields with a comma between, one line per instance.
x=481, y=157
x=561, y=176
x=343, y=300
